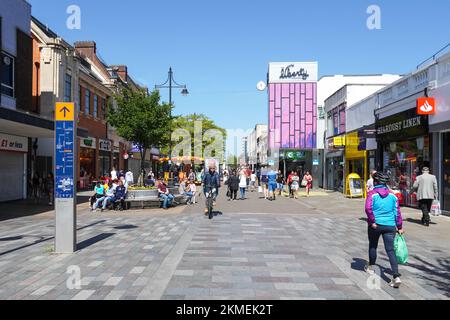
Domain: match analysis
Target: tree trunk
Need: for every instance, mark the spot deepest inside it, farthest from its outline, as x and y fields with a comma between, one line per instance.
x=143, y=152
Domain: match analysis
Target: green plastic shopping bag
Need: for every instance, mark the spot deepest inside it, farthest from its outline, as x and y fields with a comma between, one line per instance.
x=401, y=250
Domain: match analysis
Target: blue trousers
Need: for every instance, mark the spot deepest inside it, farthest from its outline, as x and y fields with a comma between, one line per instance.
x=168, y=198
x=388, y=233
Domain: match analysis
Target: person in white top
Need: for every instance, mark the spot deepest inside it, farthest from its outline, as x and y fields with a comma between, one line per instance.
x=369, y=185
x=253, y=181
x=129, y=177
x=242, y=184
x=114, y=174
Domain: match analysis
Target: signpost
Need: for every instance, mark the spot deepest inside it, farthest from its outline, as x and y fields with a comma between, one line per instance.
x=65, y=181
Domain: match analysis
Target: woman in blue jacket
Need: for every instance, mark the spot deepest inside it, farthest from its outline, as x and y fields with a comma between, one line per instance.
x=384, y=219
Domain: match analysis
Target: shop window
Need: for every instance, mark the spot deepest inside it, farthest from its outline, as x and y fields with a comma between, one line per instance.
x=80, y=98
x=7, y=74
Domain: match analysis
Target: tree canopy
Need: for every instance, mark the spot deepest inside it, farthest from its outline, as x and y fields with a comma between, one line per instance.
x=141, y=118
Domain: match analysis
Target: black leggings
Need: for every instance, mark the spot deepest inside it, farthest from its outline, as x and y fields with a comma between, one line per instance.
x=233, y=194
x=94, y=198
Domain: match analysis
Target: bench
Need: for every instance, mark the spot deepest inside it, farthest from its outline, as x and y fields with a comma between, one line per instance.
x=151, y=197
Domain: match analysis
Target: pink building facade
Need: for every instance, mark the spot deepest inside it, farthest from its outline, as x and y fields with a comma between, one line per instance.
x=293, y=105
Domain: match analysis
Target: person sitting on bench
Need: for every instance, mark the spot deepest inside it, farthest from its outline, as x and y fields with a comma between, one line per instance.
x=120, y=195
x=165, y=194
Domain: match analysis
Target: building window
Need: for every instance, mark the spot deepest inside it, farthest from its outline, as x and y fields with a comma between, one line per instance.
x=80, y=98
x=95, y=106
x=103, y=109
x=68, y=88
x=7, y=75
x=342, y=119
x=87, y=102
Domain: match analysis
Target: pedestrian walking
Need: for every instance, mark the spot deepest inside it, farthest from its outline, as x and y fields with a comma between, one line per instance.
x=113, y=174
x=289, y=182
x=129, y=178
x=308, y=179
x=295, y=185
x=427, y=191
x=233, y=186
x=384, y=220
x=253, y=181
x=369, y=184
x=242, y=184
x=280, y=182
x=272, y=184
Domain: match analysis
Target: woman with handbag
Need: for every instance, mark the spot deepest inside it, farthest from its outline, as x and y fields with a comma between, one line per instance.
x=307, y=182
x=295, y=185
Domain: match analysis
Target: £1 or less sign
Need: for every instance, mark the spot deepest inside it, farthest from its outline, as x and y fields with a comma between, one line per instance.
x=426, y=106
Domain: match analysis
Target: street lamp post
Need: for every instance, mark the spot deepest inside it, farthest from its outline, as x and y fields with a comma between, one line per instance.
x=172, y=84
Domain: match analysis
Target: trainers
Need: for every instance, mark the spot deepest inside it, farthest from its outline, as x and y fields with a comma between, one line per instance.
x=368, y=269
x=395, y=283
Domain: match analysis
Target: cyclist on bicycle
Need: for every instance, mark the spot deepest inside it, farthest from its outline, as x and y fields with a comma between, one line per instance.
x=211, y=180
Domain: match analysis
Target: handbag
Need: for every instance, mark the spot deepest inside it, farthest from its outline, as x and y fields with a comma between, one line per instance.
x=260, y=189
x=436, y=208
x=304, y=183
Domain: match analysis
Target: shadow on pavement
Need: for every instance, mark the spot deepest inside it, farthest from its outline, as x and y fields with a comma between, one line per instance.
x=417, y=221
x=126, y=227
x=40, y=239
x=89, y=242
x=30, y=207
x=438, y=274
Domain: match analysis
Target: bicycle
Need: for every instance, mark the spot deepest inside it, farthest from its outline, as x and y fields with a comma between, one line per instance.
x=210, y=197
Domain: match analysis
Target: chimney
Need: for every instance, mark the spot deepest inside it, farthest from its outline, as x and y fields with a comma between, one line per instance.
x=86, y=48
x=122, y=72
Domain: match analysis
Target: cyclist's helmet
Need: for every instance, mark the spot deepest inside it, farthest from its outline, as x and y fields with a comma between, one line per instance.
x=381, y=177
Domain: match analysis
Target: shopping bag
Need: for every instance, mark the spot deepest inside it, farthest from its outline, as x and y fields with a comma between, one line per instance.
x=260, y=189
x=436, y=208
x=304, y=183
x=401, y=250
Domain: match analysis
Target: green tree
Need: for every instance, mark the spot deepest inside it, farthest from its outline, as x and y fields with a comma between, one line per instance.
x=141, y=119
x=187, y=122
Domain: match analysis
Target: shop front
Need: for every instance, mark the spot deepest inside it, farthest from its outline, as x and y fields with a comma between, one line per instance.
x=87, y=156
x=13, y=167
x=334, y=175
x=355, y=157
x=295, y=160
x=104, y=164
x=404, y=147
x=440, y=129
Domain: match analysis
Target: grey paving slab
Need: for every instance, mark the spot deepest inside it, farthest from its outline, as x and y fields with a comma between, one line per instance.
x=257, y=249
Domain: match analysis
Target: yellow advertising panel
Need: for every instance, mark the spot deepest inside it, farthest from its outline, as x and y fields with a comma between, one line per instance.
x=65, y=111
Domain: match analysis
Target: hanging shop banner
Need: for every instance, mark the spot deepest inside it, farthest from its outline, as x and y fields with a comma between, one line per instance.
x=104, y=145
x=402, y=126
x=336, y=142
x=88, y=143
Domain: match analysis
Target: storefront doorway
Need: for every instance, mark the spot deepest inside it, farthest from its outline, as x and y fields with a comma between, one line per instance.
x=404, y=161
x=335, y=174
x=446, y=173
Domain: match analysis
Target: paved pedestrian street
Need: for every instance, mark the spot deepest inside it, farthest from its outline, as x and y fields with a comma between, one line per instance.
x=310, y=248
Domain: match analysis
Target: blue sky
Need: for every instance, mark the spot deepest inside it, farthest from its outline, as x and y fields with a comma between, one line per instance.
x=221, y=49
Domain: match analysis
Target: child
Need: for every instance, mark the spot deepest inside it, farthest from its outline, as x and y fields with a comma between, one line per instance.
x=99, y=190
x=193, y=188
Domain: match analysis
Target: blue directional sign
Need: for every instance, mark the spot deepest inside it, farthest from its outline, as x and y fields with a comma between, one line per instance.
x=64, y=151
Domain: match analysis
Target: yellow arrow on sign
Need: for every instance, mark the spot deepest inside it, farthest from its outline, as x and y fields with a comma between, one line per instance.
x=65, y=111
